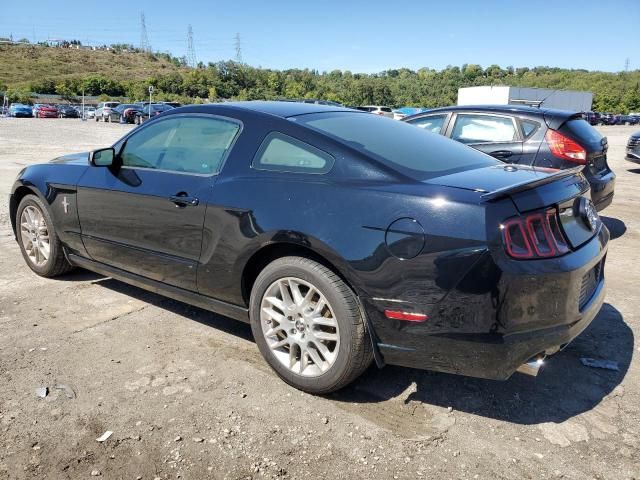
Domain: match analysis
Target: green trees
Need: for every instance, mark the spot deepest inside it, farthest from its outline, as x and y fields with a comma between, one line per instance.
x=613, y=92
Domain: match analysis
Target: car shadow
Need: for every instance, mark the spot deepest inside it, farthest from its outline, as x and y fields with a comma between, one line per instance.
x=616, y=227
x=220, y=322
x=563, y=389
x=633, y=170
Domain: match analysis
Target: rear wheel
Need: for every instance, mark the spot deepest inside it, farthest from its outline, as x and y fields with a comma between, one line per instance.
x=308, y=326
x=39, y=243
x=107, y=119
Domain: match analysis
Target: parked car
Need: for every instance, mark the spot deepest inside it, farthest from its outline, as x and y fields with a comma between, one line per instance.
x=377, y=110
x=633, y=148
x=608, y=119
x=41, y=110
x=341, y=237
x=592, y=117
x=90, y=112
x=103, y=111
x=20, y=110
x=156, y=109
x=173, y=104
x=400, y=113
x=529, y=136
x=67, y=111
x=628, y=120
x=124, y=113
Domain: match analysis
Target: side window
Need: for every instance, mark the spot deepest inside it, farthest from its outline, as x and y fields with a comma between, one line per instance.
x=483, y=129
x=432, y=123
x=529, y=127
x=181, y=144
x=282, y=153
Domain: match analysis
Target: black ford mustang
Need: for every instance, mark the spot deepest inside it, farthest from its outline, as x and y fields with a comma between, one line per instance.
x=340, y=236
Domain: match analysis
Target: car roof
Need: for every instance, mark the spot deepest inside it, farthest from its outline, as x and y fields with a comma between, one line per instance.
x=279, y=108
x=513, y=109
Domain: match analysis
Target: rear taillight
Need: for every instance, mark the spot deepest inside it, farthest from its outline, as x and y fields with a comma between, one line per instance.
x=536, y=235
x=565, y=148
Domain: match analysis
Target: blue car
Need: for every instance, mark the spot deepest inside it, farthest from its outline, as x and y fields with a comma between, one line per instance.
x=20, y=110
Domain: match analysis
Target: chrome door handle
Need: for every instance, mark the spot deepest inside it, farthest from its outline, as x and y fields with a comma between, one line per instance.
x=184, y=200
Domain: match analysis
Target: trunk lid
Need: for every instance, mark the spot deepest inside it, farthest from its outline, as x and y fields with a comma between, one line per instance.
x=590, y=139
x=531, y=189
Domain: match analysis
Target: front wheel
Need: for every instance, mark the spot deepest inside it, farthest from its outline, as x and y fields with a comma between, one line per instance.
x=308, y=326
x=39, y=243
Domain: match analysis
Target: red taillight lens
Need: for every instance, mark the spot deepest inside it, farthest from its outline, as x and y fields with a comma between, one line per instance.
x=537, y=235
x=565, y=148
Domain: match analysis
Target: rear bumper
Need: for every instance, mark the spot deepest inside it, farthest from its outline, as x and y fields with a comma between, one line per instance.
x=490, y=332
x=602, y=189
x=633, y=154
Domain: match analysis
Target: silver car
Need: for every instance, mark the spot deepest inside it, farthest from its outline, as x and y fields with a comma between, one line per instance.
x=103, y=111
x=377, y=110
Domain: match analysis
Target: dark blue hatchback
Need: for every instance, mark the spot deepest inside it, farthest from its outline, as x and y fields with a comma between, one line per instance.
x=528, y=136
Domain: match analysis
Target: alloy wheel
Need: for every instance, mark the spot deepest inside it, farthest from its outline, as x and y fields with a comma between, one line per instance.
x=35, y=235
x=299, y=326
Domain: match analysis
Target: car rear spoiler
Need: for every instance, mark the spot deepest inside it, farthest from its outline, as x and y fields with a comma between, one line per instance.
x=530, y=184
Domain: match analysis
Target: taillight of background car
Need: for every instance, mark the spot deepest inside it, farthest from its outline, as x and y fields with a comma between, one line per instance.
x=536, y=235
x=565, y=148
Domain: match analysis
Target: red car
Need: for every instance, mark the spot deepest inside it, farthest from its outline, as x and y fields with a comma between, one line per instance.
x=44, y=111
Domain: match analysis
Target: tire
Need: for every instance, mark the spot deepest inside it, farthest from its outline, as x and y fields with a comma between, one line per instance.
x=97, y=119
x=56, y=263
x=107, y=119
x=339, y=361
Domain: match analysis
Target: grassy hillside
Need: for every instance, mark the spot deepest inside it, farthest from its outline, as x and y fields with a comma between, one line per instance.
x=69, y=72
x=21, y=65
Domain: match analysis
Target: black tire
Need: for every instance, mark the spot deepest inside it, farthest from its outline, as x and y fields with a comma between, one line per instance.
x=96, y=117
x=354, y=351
x=57, y=263
x=107, y=119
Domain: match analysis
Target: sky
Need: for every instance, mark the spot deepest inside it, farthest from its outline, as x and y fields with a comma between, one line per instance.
x=361, y=36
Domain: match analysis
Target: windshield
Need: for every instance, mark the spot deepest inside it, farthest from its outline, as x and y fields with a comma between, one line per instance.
x=405, y=148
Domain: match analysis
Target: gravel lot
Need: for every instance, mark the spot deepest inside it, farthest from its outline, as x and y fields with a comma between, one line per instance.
x=187, y=395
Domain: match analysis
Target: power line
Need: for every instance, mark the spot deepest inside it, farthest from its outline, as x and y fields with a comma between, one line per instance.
x=191, y=51
x=144, y=39
x=238, y=48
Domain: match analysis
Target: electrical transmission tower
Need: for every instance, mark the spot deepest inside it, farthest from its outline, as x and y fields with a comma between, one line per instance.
x=627, y=62
x=238, y=48
x=144, y=39
x=191, y=51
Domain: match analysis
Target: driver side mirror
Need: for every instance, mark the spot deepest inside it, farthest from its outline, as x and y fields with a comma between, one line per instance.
x=102, y=157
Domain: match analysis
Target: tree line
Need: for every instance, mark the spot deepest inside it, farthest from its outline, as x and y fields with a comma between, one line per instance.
x=613, y=92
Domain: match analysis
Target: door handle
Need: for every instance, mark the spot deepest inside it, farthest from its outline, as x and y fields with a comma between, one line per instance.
x=183, y=199
x=502, y=153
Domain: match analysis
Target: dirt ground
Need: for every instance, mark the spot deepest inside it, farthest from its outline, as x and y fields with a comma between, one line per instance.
x=187, y=395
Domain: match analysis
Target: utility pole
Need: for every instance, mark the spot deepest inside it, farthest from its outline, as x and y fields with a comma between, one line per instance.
x=626, y=64
x=238, y=47
x=150, y=93
x=191, y=51
x=144, y=39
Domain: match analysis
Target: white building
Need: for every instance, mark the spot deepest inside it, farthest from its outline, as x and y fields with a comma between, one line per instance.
x=502, y=95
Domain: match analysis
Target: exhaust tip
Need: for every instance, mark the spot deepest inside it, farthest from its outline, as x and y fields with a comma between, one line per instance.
x=533, y=366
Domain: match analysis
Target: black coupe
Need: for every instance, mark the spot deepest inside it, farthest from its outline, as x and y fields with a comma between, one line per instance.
x=342, y=237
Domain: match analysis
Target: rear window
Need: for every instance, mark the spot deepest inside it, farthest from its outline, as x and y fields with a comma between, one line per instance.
x=581, y=129
x=403, y=147
x=386, y=109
